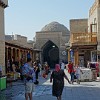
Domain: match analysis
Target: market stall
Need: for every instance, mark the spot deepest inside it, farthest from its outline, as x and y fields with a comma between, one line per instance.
x=94, y=66
x=86, y=74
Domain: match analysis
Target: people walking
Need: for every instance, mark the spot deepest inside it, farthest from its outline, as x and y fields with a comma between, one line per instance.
x=29, y=78
x=46, y=70
x=37, y=70
x=62, y=65
x=58, y=76
x=40, y=68
x=78, y=72
x=21, y=74
x=71, y=71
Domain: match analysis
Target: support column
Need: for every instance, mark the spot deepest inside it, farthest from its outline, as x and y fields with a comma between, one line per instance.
x=15, y=53
x=33, y=55
x=7, y=53
x=68, y=55
x=76, y=57
x=6, y=58
x=12, y=54
x=3, y=5
x=2, y=41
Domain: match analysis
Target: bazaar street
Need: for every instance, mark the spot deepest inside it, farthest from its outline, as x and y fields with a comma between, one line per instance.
x=38, y=36
x=43, y=91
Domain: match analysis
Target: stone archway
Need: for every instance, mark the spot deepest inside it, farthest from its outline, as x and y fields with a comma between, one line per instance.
x=50, y=53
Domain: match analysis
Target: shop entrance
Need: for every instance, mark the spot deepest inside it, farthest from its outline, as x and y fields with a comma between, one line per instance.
x=50, y=54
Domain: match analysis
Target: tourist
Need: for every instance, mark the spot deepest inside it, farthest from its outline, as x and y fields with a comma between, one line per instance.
x=78, y=72
x=29, y=78
x=46, y=70
x=62, y=65
x=71, y=71
x=58, y=76
x=37, y=70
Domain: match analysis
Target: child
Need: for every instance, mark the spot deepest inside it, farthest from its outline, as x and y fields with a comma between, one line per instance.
x=78, y=73
x=46, y=71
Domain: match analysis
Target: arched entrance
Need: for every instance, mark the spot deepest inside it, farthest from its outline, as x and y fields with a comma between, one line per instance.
x=50, y=54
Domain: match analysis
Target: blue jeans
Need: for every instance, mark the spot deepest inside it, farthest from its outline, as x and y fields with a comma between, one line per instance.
x=72, y=76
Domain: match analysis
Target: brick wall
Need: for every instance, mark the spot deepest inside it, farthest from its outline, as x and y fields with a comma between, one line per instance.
x=78, y=25
x=2, y=40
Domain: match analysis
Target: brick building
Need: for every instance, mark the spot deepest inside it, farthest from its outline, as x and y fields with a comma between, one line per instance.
x=51, y=42
x=85, y=37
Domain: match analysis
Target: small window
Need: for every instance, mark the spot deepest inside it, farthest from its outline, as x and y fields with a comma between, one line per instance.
x=93, y=27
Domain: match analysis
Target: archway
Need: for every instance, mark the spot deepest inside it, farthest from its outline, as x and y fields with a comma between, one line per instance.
x=50, y=53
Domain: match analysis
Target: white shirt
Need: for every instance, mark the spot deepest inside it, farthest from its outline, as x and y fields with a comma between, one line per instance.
x=78, y=70
x=62, y=66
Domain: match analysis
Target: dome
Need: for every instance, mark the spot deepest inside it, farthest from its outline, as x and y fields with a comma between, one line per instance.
x=55, y=27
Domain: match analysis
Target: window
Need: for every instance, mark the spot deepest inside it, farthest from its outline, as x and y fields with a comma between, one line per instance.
x=93, y=27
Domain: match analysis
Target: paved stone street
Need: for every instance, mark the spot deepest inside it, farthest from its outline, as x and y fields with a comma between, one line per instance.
x=43, y=91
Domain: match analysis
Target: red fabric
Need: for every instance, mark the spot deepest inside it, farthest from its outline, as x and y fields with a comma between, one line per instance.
x=46, y=67
x=57, y=67
x=97, y=67
x=70, y=68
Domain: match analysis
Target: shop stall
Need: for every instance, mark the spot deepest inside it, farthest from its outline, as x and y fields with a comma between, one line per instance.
x=94, y=66
x=86, y=74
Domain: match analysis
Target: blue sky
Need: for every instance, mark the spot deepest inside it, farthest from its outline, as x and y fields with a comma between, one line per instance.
x=26, y=17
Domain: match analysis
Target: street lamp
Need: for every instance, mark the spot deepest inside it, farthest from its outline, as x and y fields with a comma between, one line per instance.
x=53, y=46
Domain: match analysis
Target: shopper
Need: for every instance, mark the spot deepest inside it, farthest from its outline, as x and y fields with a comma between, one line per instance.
x=29, y=78
x=58, y=76
x=71, y=71
x=62, y=65
x=78, y=72
x=37, y=70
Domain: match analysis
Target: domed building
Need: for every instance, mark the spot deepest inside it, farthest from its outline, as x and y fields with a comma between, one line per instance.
x=51, y=42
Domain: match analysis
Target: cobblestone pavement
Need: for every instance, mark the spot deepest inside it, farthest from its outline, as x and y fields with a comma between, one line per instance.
x=43, y=91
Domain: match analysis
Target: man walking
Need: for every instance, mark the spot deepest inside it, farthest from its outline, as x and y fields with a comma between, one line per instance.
x=29, y=78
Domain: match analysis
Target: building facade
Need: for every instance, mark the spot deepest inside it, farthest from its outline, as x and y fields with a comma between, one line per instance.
x=82, y=42
x=3, y=5
x=78, y=25
x=94, y=20
x=85, y=37
x=51, y=42
x=94, y=26
x=17, y=50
